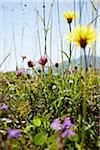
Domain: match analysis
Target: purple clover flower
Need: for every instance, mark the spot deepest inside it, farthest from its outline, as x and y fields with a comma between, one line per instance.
x=67, y=132
x=43, y=60
x=71, y=69
x=13, y=133
x=20, y=72
x=67, y=123
x=4, y=106
x=55, y=124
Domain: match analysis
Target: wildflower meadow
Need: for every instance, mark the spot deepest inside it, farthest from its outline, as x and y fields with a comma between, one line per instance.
x=50, y=95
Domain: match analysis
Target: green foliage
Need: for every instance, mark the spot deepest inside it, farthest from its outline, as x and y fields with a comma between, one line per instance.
x=40, y=138
x=33, y=103
x=37, y=122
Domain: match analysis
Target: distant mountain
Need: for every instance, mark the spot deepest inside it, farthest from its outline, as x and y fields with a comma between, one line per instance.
x=90, y=61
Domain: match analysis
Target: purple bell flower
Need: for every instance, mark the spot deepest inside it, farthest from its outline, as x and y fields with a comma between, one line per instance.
x=64, y=127
x=4, y=106
x=67, y=123
x=13, y=133
x=55, y=124
x=67, y=132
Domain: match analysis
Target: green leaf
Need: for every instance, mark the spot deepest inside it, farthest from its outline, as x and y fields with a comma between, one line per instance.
x=30, y=135
x=28, y=128
x=40, y=138
x=37, y=122
x=69, y=110
x=98, y=142
x=77, y=146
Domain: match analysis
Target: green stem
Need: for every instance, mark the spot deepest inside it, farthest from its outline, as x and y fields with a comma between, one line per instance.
x=84, y=104
x=84, y=109
x=70, y=46
x=42, y=68
x=86, y=65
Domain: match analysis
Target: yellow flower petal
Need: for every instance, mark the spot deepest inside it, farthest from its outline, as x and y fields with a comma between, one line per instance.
x=69, y=16
x=82, y=35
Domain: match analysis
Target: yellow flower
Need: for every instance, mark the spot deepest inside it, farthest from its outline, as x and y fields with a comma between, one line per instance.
x=82, y=36
x=69, y=16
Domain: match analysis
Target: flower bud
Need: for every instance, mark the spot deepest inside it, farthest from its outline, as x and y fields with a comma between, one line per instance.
x=30, y=63
x=19, y=73
x=43, y=60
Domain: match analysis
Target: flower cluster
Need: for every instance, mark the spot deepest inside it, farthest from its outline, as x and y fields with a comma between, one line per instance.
x=12, y=133
x=65, y=127
x=42, y=61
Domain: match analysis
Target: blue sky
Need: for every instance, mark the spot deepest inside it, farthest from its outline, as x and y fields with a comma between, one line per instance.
x=19, y=25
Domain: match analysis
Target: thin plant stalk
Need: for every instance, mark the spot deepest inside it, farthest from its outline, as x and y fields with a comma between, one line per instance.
x=22, y=37
x=50, y=13
x=4, y=42
x=44, y=23
x=38, y=33
x=86, y=64
x=4, y=59
x=45, y=31
x=92, y=4
x=70, y=47
x=95, y=42
x=84, y=103
x=75, y=23
x=42, y=68
x=60, y=35
x=5, y=51
x=80, y=14
x=80, y=11
x=81, y=4
x=95, y=24
x=50, y=17
x=93, y=20
x=14, y=42
x=51, y=39
x=84, y=108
